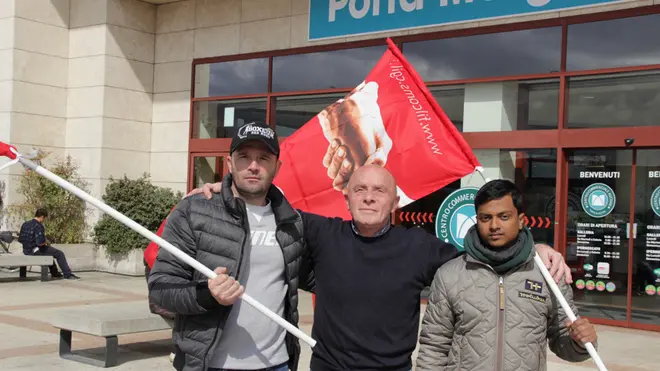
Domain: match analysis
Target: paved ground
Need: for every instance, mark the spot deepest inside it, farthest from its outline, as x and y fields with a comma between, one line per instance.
x=29, y=342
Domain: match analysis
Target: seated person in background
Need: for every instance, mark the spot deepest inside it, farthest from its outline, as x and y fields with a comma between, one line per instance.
x=490, y=309
x=33, y=238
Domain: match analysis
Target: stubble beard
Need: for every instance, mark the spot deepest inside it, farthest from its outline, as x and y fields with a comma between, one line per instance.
x=249, y=193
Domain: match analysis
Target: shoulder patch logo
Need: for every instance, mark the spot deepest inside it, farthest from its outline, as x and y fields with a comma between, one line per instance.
x=534, y=286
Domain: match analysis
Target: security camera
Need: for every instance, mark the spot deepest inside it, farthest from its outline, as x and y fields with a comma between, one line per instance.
x=629, y=141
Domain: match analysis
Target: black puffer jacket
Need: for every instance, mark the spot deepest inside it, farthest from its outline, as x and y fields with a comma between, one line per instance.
x=216, y=233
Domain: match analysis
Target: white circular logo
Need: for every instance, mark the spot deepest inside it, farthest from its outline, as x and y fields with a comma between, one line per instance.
x=598, y=200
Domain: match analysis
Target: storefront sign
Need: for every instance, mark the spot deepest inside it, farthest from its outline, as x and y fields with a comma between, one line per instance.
x=653, y=244
x=598, y=240
x=341, y=18
x=455, y=216
x=598, y=200
x=600, y=174
x=599, y=246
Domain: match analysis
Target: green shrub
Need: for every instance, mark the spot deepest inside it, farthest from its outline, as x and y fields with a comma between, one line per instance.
x=139, y=200
x=66, y=222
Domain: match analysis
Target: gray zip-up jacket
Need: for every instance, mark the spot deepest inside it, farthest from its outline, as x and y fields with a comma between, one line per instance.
x=216, y=233
x=477, y=320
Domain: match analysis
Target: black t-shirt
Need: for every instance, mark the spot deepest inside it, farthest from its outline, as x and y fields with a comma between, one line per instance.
x=368, y=293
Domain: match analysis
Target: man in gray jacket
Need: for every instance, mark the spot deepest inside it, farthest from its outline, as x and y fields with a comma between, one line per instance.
x=490, y=308
x=248, y=233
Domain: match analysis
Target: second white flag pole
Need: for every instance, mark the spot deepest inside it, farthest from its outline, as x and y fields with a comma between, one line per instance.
x=562, y=301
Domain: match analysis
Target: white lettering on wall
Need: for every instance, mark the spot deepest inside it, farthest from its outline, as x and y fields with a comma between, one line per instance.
x=408, y=6
x=334, y=6
x=654, y=174
x=455, y=2
x=600, y=174
x=359, y=13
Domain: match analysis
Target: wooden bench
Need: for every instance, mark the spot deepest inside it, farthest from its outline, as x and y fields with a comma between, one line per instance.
x=108, y=321
x=24, y=261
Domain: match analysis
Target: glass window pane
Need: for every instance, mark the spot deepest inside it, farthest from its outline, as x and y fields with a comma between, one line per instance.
x=614, y=43
x=291, y=113
x=597, y=238
x=219, y=119
x=615, y=100
x=248, y=76
x=207, y=170
x=325, y=70
x=452, y=101
x=511, y=105
x=509, y=54
x=538, y=105
x=646, y=255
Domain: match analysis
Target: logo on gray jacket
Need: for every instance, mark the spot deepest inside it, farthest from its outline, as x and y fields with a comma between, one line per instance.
x=534, y=286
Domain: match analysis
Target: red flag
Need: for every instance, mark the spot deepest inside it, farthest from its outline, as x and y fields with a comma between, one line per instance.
x=151, y=252
x=390, y=119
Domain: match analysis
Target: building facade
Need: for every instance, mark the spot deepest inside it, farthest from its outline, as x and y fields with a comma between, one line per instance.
x=563, y=100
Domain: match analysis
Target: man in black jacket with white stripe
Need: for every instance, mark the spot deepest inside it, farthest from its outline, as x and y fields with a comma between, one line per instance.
x=247, y=233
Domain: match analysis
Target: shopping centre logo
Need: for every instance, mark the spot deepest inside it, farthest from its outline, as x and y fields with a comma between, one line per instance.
x=655, y=201
x=598, y=200
x=455, y=216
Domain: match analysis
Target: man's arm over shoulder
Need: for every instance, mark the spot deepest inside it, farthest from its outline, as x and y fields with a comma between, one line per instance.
x=307, y=280
x=558, y=334
x=171, y=284
x=433, y=252
x=437, y=328
x=314, y=227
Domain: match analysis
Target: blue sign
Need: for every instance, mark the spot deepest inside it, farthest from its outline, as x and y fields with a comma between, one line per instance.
x=341, y=18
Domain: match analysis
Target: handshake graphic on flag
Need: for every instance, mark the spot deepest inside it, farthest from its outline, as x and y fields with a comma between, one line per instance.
x=390, y=120
x=354, y=128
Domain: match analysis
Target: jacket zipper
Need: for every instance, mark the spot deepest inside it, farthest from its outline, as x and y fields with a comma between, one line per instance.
x=286, y=273
x=500, y=327
x=287, y=305
x=246, y=228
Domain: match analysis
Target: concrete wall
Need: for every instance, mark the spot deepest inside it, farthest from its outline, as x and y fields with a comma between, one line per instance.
x=77, y=80
x=33, y=55
x=111, y=68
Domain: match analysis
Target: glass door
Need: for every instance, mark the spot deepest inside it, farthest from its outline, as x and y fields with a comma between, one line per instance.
x=206, y=168
x=645, y=298
x=597, y=235
x=613, y=235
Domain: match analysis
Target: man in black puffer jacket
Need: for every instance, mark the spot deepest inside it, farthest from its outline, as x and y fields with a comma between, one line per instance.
x=248, y=233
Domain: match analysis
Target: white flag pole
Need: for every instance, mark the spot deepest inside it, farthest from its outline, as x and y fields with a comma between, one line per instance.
x=161, y=242
x=560, y=297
